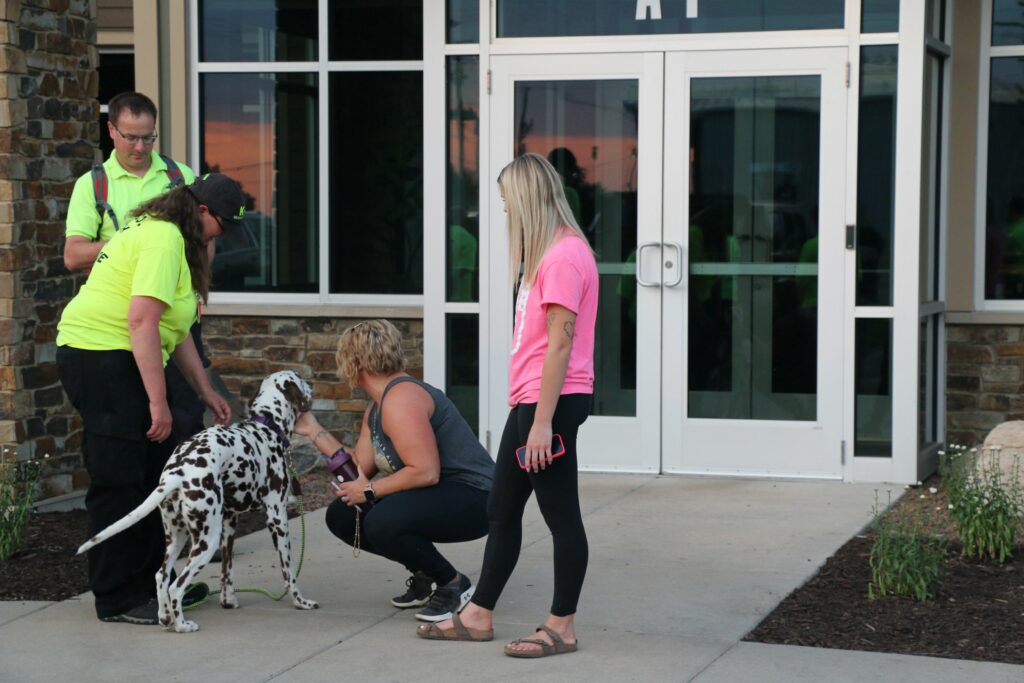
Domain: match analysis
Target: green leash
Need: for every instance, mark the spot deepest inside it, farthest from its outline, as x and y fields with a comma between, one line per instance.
x=302, y=557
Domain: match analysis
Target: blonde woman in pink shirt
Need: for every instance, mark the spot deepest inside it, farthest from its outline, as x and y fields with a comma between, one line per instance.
x=551, y=386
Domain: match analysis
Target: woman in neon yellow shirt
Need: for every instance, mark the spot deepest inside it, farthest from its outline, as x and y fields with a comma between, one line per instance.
x=114, y=338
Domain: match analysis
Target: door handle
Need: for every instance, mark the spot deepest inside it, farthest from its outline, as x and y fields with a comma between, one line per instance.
x=639, y=261
x=679, y=264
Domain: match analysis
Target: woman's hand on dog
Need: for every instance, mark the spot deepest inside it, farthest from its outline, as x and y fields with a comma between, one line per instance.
x=351, y=492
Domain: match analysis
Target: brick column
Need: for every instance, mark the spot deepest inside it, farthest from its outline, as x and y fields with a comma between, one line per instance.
x=49, y=130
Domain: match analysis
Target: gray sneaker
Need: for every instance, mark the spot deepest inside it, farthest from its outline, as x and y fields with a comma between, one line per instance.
x=142, y=615
x=420, y=587
x=451, y=597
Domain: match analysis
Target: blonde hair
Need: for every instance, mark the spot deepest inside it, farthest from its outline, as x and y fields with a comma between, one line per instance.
x=536, y=205
x=374, y=346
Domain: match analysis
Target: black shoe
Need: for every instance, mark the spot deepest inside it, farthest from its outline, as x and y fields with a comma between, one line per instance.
x=451, y=597
x=143, y=615
x=195, y=594
x=420, y=587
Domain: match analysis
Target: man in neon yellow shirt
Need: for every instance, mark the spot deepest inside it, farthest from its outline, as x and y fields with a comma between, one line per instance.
x=134, y=173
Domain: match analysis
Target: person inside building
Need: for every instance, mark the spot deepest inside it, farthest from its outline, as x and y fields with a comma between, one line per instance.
x=423, y=477
x=551, y=386
x=100, y=203
x=113, y=340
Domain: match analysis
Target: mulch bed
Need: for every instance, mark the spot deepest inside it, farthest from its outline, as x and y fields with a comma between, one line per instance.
x=46, y=567
x=976, y=614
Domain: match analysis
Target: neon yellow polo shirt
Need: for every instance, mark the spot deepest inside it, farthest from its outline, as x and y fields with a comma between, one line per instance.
x=125, y=191
x=147, y=258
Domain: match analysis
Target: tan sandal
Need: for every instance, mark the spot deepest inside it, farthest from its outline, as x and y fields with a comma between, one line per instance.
x=557, y=646
x=458, y=631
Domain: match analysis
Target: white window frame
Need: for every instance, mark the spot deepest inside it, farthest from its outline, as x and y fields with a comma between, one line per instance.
x=987, y=53
x=323, y=301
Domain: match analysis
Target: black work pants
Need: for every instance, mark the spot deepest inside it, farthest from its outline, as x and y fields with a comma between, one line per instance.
x=186, y=409
x=558, y=497
x=404, y=526
x=124, y=467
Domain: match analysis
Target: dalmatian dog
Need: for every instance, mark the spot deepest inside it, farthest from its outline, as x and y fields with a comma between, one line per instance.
x=212, y=478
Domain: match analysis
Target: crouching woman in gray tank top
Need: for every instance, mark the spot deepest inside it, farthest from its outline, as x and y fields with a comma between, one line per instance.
x=435, y=475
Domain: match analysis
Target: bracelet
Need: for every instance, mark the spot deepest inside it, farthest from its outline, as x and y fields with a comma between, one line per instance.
x=319, y=434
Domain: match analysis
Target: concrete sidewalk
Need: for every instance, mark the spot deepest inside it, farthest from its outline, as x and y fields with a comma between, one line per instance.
x=680, y=570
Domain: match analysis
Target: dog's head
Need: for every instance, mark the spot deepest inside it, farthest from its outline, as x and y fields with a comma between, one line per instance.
x=282, y=396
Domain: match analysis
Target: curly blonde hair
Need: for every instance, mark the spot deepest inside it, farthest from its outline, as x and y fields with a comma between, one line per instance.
x=373, y=346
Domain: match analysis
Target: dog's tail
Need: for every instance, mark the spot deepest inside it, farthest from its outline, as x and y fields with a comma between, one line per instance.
x=167, y=485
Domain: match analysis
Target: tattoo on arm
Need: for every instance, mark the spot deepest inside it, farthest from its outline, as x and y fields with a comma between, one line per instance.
x=569, y=327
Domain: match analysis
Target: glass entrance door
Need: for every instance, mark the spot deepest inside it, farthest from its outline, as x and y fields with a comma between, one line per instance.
x=754, y=186
x=597, y=118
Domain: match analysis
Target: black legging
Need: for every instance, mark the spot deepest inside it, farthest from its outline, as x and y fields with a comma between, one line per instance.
x=557, y=496
x=404, y=526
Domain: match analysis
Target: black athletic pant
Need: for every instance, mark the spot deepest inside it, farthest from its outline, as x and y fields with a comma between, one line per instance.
x=404, y=526
x=557, y=496
x=124, y=467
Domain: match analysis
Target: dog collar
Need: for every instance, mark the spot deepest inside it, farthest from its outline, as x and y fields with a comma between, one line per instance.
x=264, y=420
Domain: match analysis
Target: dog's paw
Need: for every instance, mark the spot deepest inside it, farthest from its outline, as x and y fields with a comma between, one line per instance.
x=303, y=603
x=228, y=601
x=187, y=627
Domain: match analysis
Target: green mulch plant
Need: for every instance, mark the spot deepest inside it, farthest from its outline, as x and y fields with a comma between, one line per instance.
x=906, y=557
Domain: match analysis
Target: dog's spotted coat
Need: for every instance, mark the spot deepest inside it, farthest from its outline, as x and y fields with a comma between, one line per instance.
x=212, y=478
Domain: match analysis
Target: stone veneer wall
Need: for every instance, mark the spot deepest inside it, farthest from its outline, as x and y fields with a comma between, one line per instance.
x=243, y=350
x=985, y=380
x=49, y=130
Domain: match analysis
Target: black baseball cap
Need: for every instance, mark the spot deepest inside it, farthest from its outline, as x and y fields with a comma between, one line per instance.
x=223, y=196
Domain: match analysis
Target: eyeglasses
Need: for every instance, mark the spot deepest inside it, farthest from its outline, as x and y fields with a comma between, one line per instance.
x=220, y=223
x=136, y=139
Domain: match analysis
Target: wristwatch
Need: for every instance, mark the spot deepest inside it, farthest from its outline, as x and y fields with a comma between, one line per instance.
x=371, y=496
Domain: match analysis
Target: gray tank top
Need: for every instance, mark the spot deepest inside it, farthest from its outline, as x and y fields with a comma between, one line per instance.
x=463, y=459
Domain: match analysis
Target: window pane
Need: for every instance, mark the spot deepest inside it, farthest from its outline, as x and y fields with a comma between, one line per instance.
x=876, y=164
x=463, y=21
x=588, y=130
x=1004, y=241
x=376, y=166
x=753, y=242
x=463, y=186
x=523, y=18
x=880, y=16
x=257, y=30
x=375, y=29
x=1007, y=22
x=933, y=132
x=261, y=130
x=116, y=75
x=873, y=385
x=462, y=365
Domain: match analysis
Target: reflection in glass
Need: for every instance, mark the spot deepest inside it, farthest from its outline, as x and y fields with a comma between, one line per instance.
x=463, y=187
x=1007, y=22
x=462, y=365
x=376, y=181
x=257, y=30
x=463, y=21
x=261, y=130
x=381, y=29
x=876, y=179
x=933, y=133
x=526, y=18
x=588, y=131
x=873, y=387
x=880, y=16
x=1004, y=216
x=753, y=241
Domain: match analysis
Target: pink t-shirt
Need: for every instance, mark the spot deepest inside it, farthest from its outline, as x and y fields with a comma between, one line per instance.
x=567, y=276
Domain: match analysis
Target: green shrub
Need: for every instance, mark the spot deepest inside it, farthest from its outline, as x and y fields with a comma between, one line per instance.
x=17, y=490
x=986, y=504
x=906, y=558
